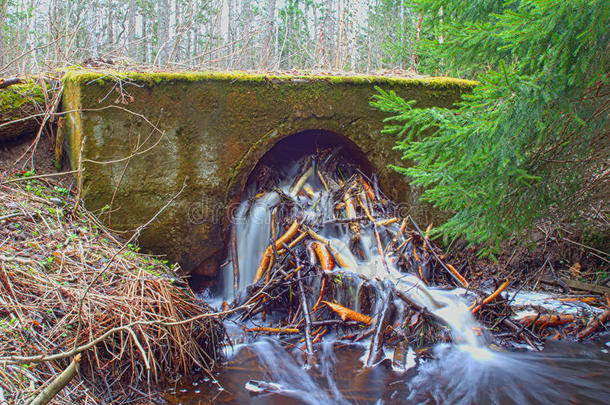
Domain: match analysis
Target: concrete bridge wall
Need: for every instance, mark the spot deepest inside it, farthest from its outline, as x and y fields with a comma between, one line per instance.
x=140, y=137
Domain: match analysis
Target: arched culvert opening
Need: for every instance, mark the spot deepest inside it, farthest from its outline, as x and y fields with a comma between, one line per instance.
x=298, y=171
x=284, y=153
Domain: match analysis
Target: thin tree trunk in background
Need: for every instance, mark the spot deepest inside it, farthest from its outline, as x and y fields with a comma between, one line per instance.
x=175, y=53
x=352, y=41
x=109, y=25
x=328, y=34
x=163, y=33
x=268, y=55
x=246, y=16
x=2, y=15
x=417, y=37
x=145, y=41
x=231, y=45
x=131, y=33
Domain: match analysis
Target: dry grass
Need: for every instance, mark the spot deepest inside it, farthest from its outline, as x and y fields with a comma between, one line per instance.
x=65, y=282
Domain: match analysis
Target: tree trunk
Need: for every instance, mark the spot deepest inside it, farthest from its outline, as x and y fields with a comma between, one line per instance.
x=269, y=56
x=109, y=25
x=131, y=33
x=163, y=33
x=328, y=35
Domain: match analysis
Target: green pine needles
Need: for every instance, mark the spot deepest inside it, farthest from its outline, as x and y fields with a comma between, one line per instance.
x=532, y=139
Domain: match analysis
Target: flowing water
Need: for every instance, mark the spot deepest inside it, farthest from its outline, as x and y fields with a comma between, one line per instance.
x=267, y=370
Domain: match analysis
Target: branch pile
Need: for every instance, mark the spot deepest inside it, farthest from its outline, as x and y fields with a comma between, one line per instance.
x=68, y=288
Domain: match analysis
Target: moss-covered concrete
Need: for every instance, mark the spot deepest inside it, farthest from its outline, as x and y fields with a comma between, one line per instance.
x=17, y=103
x=144, y=135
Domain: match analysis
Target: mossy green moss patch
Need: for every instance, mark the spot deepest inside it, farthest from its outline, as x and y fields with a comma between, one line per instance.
x=18, y=102
x=155, y=78
x=18, y=95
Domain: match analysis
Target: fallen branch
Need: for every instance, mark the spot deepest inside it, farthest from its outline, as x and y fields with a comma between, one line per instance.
x=58, y=384
x=492, y=296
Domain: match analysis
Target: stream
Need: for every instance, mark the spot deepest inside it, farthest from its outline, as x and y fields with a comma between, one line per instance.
x=564, y=373
x=463, y=367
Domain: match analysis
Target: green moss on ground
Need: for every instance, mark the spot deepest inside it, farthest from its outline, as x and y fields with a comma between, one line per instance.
x=18, y=95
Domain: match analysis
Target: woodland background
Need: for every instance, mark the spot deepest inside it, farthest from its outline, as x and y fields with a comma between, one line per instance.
x=351, y=35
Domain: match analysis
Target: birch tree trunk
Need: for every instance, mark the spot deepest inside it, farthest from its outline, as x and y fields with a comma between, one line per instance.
x=131, y=33
x=269, y=57
x=163, y=34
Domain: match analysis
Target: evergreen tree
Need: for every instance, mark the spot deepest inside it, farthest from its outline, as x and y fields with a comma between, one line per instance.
x=531, y=141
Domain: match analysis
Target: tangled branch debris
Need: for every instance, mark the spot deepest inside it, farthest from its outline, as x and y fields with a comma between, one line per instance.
x=328, y=272
x=69, y=290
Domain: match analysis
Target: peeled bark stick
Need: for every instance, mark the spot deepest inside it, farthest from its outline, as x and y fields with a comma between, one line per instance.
x=341, y=261
x=306, y=317
x=264, y=329
x=58, y=383
x=491, y=297
x=369, y=190
x=362, y=201
x=324, y=257
x=322, y=180
x=264, y=264
x=294, y=190
x=401, y=230
x=350, y=211
x=346, y=313
x=386, y=222
x=457, y=276
x=546, y=320
x=315, y=307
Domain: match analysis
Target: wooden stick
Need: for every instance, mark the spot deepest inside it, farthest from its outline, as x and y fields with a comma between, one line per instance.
x=596, y=323
x=315, y=307
x=457, y=276
x=375, y=348
x=306, y=317
x=266, y=259
x=454, y=273
x=58, y=384
x=273, y=330
x=546, y=320
x=324, y=257
x=491, y=297
x=235, y=259
x=294, y=190
x=347, y=313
